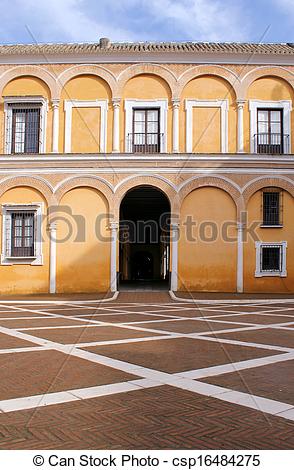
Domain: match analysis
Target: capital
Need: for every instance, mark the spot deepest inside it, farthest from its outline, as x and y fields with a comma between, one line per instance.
x=113, y=226
x=116, y=102
x=55, y=103
x=176, y=103
x=240, y=103
x=52, y=227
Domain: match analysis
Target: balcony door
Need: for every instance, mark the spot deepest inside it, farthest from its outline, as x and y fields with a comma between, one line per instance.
x=270, y=137
x=146, y=132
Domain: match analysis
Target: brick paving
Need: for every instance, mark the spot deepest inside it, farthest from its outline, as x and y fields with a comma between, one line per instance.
x=147, y=372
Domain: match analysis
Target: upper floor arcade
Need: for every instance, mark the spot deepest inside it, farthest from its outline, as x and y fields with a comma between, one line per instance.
x=123, y=104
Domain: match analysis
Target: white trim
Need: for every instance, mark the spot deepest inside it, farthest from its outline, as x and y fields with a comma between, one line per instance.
x=286, y=105
x=222, y=104
x=240, y=257
x=162, y=104
x=175, y=230
x=13, y=101
x=8, y=260
x=69, y=104
x=283, y=271
x=52, y=229
x=114, y=226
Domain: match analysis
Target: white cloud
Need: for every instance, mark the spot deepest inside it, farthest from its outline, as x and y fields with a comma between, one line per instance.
x=209, y=20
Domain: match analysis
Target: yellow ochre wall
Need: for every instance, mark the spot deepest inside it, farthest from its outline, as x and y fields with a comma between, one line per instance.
x=269, y=89
x=286, y=233
x=82, y=265
x=207, y=266
x=146, y=87
x=206, y=126
x=85, y=130
x=28, y=86
x=208, y=88
x=24, y=278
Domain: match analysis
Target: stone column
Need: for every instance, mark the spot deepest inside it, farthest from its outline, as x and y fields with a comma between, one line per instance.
x=52, y=262
x=240, y=144
x=55, y=126
x=174, y=232
x=116, y=107
x=176, y=107
x=113, y=256
x=240, y=256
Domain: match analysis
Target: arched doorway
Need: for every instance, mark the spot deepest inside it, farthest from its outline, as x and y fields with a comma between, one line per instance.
x=144, y=251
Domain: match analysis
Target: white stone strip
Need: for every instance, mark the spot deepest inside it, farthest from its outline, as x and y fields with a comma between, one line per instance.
x=234, y=367
x=59, y=327
x=227, y=301
x=240, y=343
x=62, y=302
x=124, y=341
x=24, y=350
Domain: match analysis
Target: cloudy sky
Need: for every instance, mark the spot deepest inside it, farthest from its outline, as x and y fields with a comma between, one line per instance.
x=25, y=21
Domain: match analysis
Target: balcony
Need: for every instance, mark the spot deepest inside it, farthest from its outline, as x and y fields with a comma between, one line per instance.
x=271, y=143
x=149, y=142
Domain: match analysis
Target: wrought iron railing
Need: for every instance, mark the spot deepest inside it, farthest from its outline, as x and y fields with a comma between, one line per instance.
x=271, y=143
x=144, y=142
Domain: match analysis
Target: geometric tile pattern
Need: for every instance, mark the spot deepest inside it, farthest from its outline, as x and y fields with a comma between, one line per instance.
x=144, y=371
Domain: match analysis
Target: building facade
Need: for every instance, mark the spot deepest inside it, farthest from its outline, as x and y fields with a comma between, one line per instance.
x=126, y=162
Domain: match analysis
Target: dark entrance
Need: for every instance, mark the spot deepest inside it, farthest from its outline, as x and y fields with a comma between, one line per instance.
x=144, y=239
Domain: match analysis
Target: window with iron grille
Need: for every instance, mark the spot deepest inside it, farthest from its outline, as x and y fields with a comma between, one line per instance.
x=22, y=234
x=272, y=207
x=25, y=131
x=270, y=137
x=271, y=259
x=25, y=124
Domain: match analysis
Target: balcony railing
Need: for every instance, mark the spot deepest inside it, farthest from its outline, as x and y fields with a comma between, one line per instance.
x=274, y=143
x=144, y=142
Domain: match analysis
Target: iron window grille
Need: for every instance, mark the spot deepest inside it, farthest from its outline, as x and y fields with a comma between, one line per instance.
x=24, y=124
x=22, y=234
x=272, y=207
x=271, y=258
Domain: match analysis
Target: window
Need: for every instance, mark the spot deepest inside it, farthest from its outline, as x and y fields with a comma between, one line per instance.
x=25, y=124
x=272, y=207
x=270, y=137
x=146, y=134
x=271, y=259
x=21, y=234
x=25, y=130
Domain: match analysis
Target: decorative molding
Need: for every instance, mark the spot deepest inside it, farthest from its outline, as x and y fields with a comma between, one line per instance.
x=6, y=258
x=258, y=271
x=222, y=104
x=286, y=105
x=69, y=104
x=162, y=104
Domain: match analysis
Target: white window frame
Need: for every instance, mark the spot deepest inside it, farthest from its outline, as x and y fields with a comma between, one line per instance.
x=285, y=105
x=162, y=104
x=69, y=105
x=258, y=270
x=6, y=258
x=11, y=102
x=224, y=107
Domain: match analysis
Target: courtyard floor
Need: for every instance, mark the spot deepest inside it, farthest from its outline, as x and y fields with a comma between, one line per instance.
x=146, y=372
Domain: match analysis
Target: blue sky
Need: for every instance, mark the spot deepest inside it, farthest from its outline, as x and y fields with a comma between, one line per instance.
x=26, y=21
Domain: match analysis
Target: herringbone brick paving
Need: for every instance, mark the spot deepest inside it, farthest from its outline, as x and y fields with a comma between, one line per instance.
x=152, y=345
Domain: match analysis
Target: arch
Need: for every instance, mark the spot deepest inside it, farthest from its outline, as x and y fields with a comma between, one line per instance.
x=165, y=186
x=150, y=69
x=213, y=181
x=259, y=183
x=93, y=182
x=214, y=70
x=96, y=70
x=33, y=71
x=262, y=72
x=41, y=185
